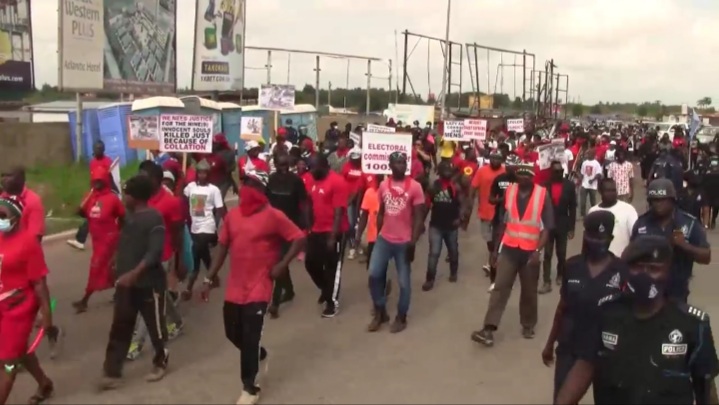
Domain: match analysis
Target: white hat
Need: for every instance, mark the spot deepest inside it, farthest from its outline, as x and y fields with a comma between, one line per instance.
x=168, y=175
x=613, y=142
x=249, y=145
x=355, y=153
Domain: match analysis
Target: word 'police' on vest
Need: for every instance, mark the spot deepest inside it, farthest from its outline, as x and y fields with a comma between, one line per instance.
x=186, y=133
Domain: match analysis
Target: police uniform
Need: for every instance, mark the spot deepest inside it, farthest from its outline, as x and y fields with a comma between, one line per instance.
x=649, y=361
x=682, y=263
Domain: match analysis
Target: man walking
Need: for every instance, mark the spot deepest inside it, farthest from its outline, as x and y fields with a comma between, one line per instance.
x=590, y=172
x=622, y=172
x=564, y=202
x=530, y=219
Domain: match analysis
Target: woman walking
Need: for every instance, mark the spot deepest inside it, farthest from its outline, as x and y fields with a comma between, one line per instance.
x=105, y=214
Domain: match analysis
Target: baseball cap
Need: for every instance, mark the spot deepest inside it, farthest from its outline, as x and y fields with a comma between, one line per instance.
x=249, y=145
x=397, y=156
x=355, y=153
x=168, y=175
x=661, y=188
x=648, y=249
x=599, y=224
x=202, y=165
x=525, y=169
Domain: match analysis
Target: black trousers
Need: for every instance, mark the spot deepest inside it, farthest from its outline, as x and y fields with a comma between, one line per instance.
x=283, y=285
x=324, y=265
x=82, y=232
x=129, y=301
x=557, y=241
x=243, y=328
x=201, y=245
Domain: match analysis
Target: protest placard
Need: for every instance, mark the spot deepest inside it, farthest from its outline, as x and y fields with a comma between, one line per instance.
x=376, y=148
x=185, y=133
x=143, y=131
x=474, y=130
x=453, y=130
x=356, y=138
x=251, y=128
x=550, y=152
x=516, y=125
x=381, y=129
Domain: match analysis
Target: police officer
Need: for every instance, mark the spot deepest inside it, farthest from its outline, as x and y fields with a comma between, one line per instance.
x=645, y=348
x=590, y=276
x=685, y=232
x=667, y=165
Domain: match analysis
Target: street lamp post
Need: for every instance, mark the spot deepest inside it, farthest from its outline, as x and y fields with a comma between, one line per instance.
x=445, y=67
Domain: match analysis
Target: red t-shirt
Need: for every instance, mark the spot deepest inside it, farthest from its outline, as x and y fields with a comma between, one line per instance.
x=308, y=180
x=354, y=178
x=556, y=192
x=23, y=261
x=254, y=245
x=678, y=142
x=467, y=167
x=258, y=164
x=33, y=213
x=171, y=210
x=327, y=195
x=101, y=163
x=102, y=209
x=218, y=169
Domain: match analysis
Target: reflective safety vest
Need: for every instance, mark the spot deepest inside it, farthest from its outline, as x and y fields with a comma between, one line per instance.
x=523, y=233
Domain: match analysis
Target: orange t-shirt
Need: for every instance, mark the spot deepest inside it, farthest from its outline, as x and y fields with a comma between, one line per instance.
x=370, y=203
x=483, y=180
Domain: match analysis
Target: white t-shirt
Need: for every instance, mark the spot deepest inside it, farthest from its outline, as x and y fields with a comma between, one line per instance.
x=203, y=200
x=568, y=157
x=589, y=170
x=625, y=215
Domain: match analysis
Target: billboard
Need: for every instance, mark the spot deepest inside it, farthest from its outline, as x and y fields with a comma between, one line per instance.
x=218, y=60
x=123, y=46
x=16, y=70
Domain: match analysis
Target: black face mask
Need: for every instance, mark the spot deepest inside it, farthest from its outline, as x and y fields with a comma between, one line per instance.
x=595, y=250
x=644, y=288
x=558, y=174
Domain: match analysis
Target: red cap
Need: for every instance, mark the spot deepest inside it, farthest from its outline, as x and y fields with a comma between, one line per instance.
x=281, y=131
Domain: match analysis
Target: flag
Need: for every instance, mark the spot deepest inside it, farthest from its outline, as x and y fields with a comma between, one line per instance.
x=115, y=171
x=695, y=123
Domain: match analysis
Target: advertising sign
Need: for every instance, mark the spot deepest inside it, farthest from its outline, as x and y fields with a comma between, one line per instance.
x=376, y=148
x=16, y=71
x=474, y=129
x=277, y=97
x=219, y=45
x=408, y=113
x=186, y=133
x=124, y=46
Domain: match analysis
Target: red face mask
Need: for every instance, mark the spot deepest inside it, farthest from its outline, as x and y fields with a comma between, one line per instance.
x=251, y=200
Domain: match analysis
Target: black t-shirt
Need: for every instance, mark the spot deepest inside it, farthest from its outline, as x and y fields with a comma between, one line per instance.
x=499, y=186
x=142, y=238
x=648, y=361
x=287, y=193
x=582, y=293
x=692, y=203
x=445, y=209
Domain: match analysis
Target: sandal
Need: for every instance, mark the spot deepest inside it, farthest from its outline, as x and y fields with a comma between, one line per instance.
x=42, y=394
x=79, y=307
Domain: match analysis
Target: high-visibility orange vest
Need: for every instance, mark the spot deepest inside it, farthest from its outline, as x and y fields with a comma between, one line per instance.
x=523, y=233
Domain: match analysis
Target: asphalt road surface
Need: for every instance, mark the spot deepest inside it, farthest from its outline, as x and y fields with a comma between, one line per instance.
x=332, y=361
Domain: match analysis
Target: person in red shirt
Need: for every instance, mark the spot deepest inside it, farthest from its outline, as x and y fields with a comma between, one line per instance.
x=252, y=236
x=252, y=160
x=105, y=214
x=352, y=173
x=23, y=294
x=326, y=241
x=33, y=216
x=466, y=167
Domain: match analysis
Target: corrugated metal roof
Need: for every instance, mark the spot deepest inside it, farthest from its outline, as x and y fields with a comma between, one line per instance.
x=67, y=105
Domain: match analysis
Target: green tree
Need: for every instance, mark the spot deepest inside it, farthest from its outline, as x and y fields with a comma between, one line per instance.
x=596, y=109
x=517, y=103
x=642, y=110
x=577, y=110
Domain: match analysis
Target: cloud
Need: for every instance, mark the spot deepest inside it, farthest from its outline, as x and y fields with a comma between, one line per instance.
x=612, y=50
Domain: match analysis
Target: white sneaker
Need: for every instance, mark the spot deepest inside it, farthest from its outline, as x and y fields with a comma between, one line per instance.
x=491, y=288
x=352, y=254
x=77, y=245
x=248, y=399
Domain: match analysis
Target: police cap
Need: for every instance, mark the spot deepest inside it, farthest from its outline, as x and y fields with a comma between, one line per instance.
x=599, y=224
x=648, y=249
x=661, y=188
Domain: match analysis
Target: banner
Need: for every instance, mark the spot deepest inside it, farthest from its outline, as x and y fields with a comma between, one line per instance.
x=408, y=113
x=516, y=125
x=118, y=46
x=16, y=59
x=551, y=152
x=251, y=128
x=186, y=133
x=376, y=148
x=380, y=129
x=277, y=97
x=219, y=45
x=474, y=130
x=453, y=130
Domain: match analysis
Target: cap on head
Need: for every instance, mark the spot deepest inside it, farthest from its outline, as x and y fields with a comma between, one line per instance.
x=648, y=249
x=599, y=224
x=525, y=169
x=355, y=153
x=202, y=165
x=397, y=156
x=251, y=145
x=661, y=188
x=168, y=175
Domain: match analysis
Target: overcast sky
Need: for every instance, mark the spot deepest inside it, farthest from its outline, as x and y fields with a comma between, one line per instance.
x=612, y=50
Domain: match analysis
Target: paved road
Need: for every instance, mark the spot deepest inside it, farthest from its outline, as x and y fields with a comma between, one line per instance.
x=314, y=360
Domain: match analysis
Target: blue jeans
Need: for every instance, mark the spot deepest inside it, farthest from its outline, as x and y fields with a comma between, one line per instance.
x=352, y=216
x=382, y=253
x=450, y=237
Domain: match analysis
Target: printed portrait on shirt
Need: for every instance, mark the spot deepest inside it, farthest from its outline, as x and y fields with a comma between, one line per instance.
x=198, y=202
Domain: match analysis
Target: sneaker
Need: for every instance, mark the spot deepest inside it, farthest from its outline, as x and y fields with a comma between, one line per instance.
x=134, y=352
x=110, y=383
x=248, y=399
x=491, y=288
x=545, y=288
x=399, y=324
x=527, y=332
x=352, y=254
x=77, y=245
x=158, y=372
x=380, y=317
x=330, y=311
x=428, y=285
x=484, y=336
x=174, y=330
x=452, y=278
x=487, y=269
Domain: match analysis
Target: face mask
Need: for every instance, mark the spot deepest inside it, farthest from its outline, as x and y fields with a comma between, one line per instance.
x=595, y=250
x=644, y=288
x=5, y=225
x=557, y=174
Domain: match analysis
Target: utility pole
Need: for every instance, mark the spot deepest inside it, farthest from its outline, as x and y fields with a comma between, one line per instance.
x=445, y=65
